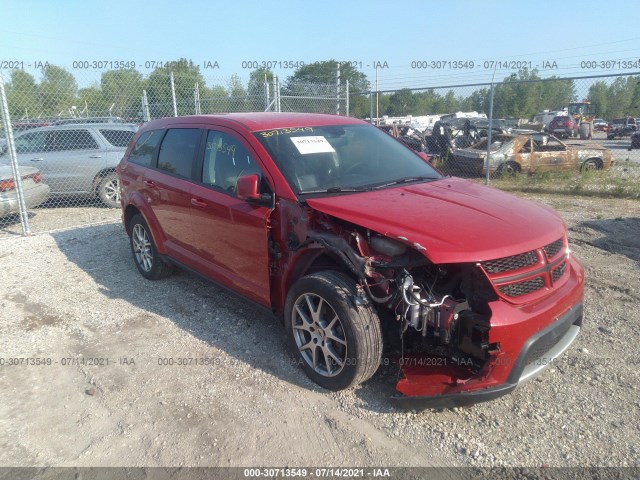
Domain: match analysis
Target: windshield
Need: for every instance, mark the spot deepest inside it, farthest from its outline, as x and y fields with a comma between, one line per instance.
x=342, y=158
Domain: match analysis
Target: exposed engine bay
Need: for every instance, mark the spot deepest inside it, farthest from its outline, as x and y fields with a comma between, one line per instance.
x=433, y=316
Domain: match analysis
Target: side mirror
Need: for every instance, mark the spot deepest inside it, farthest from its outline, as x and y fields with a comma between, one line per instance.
x=247, y=188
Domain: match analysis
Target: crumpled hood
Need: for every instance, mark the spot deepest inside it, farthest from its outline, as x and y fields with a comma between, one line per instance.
x=450, y=220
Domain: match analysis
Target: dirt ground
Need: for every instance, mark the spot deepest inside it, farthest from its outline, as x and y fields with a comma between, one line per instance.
x=99, y=367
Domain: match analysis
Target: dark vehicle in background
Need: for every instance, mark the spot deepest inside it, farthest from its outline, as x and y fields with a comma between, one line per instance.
x=564, y=126
x=621, y=127
x=408, y=135
x=76, y=159
x=355, y=241
x=447, y=135
x=635, y=141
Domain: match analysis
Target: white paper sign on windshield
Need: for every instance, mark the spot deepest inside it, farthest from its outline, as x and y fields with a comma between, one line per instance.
x=312, y=144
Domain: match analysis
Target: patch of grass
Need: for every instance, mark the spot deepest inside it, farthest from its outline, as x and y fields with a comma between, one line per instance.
x=621, y=181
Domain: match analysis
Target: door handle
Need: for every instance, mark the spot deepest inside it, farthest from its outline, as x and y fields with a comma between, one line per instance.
x=149, y=183
x=37, y=159
x=95, y=156
x=198, y=203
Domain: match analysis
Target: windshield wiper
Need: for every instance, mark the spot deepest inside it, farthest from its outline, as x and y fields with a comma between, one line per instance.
x=335, y=190
x=401, y=181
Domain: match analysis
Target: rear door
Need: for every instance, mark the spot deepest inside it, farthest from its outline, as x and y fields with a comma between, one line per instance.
x=550, y=154
x=72, y=159
x=167, y=190
x=230, y=234
x=68, y=158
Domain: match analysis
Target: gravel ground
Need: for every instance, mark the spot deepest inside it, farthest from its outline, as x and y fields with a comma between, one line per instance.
x=73, y=296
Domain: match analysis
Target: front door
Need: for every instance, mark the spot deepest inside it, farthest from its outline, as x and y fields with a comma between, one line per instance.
x=230, y=234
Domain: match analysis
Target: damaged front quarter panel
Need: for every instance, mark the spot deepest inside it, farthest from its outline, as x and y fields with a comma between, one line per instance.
x=436, y=318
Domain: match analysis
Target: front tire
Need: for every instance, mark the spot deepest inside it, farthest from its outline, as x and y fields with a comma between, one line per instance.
x=145, y=255
x=334, y=334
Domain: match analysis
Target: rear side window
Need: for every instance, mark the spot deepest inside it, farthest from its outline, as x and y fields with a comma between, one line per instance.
x=145, y=148
x=177, y=151
x=31, y=142
x=118, y=138
x=62, y=140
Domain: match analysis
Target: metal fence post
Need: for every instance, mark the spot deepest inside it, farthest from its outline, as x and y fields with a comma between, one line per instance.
x=267, y=104
x=346, y=96
x=338, y=89
x=371, y=106
x=486, y=181
x=196, y=99
x=145, y=107
x=11, y=149
x=173, y=95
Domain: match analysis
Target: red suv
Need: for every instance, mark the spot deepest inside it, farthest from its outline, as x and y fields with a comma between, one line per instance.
x=357, y=242
x=564, y=127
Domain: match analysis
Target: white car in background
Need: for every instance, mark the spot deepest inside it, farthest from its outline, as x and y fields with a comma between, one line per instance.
x=35, y=192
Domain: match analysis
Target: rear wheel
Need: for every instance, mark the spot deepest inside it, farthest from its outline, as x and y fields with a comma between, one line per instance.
x=335, y=336
x=109, y=190
x=508, y=168
x=592, y=164
x=150, y=264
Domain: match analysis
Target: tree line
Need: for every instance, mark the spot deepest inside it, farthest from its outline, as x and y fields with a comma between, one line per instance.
x=119, y=93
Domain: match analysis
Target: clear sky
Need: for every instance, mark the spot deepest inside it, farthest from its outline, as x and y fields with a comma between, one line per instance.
x=444, y=36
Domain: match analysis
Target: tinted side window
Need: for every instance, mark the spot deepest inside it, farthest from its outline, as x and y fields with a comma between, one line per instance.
x=142, y=153
x=31, y=142
x=178, y=150
x=118, y=138
x=71, y=140
x=225, y=159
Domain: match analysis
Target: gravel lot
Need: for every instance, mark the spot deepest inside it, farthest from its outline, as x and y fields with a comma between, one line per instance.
x=73, y=296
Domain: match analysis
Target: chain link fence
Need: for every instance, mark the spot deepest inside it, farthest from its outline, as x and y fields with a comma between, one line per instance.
x=568, y=135
x=60, y=143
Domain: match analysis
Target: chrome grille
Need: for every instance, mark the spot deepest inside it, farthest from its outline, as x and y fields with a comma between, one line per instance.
x=522, y=288
x=514, y=262
x=553, y=248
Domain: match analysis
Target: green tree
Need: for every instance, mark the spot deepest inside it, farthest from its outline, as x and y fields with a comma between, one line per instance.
x=621, y=93
x=91, y=101
x=58, y=89
x=256, y=90
x=402, y=102
x=186, y=75
x=319, y=79
x=23, y=96
x=122, y=89
x=554, y=94
x=599, y=95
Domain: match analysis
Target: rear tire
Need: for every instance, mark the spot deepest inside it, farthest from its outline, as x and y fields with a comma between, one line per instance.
x=109, y=190
x=145, y=255
x=336, y=339
x=591, y=164
x=508, y=168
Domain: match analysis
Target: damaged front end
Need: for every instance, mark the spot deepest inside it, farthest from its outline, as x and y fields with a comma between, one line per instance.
x=460, y=333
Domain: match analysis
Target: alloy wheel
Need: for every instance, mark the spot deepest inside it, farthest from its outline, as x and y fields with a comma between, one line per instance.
x=319, y=335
